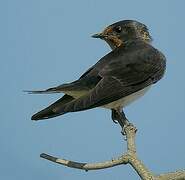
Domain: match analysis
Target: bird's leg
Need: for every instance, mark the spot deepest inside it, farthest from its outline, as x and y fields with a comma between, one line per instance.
x=114, y=116
x=118, y=116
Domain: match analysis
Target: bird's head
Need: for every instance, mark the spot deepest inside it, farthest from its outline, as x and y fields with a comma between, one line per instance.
x=123, y=31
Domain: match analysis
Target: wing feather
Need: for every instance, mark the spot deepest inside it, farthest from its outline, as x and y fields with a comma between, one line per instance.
x=120, y=78
x=117, y=75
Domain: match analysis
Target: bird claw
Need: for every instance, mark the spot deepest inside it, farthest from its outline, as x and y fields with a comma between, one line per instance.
x=123, y=132
x=115, y=121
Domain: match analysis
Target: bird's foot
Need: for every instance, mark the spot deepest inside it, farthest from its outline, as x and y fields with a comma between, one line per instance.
x=115, y=121
x=118, y=116
x=124, y=124
x=115, y=116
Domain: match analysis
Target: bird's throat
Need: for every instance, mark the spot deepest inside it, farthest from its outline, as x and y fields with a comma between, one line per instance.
x=114, y=42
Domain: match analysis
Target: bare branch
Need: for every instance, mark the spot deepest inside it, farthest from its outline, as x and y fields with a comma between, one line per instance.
x=130, y=157
x=130, y=132
x=87, y=166
x=177, y=175
x=137, y=164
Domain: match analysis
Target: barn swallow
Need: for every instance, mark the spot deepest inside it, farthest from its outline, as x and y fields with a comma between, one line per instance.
x=117, y=79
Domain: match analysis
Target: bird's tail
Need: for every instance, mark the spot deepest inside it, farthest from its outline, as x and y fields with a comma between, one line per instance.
x=52, y=110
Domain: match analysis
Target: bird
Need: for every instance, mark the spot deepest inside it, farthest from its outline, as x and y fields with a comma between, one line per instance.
x=122, y=76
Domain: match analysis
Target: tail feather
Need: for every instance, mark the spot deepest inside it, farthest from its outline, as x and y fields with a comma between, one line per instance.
x=64, y=88
x=47, y=91
x=50, y=111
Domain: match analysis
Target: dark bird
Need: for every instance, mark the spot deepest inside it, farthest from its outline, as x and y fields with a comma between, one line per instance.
x=117, y=79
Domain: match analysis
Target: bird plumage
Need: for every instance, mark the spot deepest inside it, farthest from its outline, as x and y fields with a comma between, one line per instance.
x=124, y=71
x=117, y=79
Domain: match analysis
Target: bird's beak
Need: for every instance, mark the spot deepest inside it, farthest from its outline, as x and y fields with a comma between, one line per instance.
x=99, y=35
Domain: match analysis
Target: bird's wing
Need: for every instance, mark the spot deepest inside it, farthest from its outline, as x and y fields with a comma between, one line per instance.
x=124, y=75
x=136, y=67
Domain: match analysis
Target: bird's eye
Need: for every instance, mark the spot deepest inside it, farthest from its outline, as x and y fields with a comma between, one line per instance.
x=118, y=29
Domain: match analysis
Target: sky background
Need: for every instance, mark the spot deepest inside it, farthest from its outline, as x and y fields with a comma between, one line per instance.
x=46, y=43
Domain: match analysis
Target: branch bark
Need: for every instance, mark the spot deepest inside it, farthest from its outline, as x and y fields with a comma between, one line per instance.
x=130, y=157
x=87, y=166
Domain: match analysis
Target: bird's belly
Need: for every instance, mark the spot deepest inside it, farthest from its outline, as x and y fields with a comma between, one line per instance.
x=126, y=100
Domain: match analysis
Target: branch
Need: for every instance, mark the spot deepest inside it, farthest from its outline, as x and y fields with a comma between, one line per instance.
x=87, y=166
x=130, y=157
x=177, y=175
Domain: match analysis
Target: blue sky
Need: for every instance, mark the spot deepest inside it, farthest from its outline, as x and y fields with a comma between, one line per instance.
x=40, y=41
